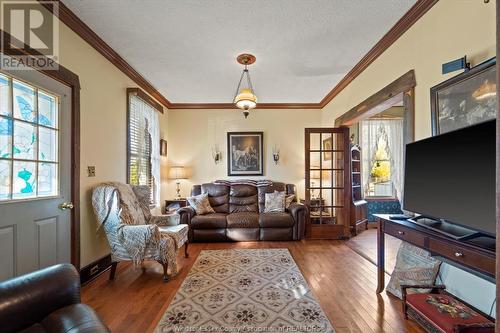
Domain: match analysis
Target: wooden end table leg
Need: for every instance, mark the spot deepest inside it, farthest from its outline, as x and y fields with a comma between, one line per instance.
x=380, y=257
x=186, y=254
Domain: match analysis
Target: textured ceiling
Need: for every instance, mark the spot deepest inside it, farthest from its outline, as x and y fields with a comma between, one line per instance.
x=187, y=48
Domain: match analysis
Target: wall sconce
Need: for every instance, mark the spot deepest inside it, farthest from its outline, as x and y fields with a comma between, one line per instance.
x=276, y=155
x=216, y=154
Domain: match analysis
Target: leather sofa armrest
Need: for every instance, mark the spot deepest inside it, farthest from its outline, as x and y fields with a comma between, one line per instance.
x=186, y=214
x=299, y=214
x=29, y=298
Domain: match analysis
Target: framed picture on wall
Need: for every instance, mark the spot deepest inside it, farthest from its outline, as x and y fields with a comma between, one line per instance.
x=464, y=100
x=245, y=152
x=327, y=145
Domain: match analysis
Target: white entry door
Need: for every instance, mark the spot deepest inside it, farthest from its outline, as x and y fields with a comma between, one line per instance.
x=35, y=172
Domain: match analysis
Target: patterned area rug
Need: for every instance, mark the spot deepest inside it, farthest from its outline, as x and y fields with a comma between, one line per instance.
x=244, y=290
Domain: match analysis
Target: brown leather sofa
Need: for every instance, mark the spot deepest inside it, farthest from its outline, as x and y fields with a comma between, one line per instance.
x=47, y=300
x=239, y=215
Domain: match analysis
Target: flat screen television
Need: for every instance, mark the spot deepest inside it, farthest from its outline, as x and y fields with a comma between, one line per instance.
x=451, y=177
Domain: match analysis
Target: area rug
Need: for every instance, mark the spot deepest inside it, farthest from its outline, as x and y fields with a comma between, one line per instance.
x=244, y=290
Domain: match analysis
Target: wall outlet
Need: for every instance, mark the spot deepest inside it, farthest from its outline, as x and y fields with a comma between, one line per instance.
x=91, y=171
x=94, y=270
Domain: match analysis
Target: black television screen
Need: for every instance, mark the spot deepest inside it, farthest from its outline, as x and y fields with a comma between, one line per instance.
x=452, y=177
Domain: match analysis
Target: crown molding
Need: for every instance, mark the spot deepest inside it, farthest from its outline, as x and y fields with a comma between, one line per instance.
x=86, y=33
x=411, y=16
x=178, y=106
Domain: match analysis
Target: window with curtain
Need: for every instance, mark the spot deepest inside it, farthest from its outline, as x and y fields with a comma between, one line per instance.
x=143, y=141
x=382, y=165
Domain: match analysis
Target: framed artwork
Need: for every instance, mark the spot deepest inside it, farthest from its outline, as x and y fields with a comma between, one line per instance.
x=464, y=100
x=327, y=145
x=163, y=147
x=245, y=152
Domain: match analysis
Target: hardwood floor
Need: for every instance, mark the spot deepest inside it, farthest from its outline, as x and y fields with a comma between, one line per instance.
x=343, y=282
x=365, y=244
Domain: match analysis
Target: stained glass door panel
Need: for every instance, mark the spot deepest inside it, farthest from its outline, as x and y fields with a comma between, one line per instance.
x=326, y=179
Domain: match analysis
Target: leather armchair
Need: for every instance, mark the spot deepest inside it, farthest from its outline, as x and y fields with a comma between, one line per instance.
x=47, y=300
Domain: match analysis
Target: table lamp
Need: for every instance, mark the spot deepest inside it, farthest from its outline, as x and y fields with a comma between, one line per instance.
x=177, y=173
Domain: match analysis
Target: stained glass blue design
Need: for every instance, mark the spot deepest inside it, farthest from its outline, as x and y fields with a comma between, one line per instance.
x=25, y=140
x=5, y=137
x=29, y=141
x=24, y=174
x=47, y=109
x=4, y=95
x=47, y=179
x=5, y=179
x=47, y=147
x=24, y=101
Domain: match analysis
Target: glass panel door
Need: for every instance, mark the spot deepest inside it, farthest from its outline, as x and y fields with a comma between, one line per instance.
x=327, y=191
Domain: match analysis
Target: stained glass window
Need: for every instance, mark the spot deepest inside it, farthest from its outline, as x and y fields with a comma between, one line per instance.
x=29, y=141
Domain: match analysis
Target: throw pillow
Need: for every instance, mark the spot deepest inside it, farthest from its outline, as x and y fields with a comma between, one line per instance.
x=201, y=204
x=414, y=266
x=288, y=200
x=275, y=202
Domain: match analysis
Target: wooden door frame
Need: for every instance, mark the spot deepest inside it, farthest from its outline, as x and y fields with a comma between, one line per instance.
x=497, y=327
x=70, y=79
x=379, y=101
x=330, y=231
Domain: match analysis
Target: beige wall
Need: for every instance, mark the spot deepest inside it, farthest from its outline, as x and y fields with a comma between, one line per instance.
x=103, y=130
x=193, y=133
x=451, y=29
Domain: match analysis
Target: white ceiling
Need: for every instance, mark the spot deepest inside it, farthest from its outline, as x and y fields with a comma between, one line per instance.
x=187, y=48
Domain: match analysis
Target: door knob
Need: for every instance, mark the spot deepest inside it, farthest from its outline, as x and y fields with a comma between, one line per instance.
x=66, y=205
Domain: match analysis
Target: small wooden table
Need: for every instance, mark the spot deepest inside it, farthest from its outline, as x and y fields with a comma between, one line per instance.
x=475, y=255
x=177, y=203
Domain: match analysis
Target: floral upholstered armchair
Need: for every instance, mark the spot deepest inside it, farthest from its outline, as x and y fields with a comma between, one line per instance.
x=133, y=233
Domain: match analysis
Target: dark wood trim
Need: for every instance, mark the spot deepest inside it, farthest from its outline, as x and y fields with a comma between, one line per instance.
x=368, y=107
x=175, y=106
x=70, y=79
x=412, y=16
x=86, y=33
x=94, y=269
x=497, y=327
x=145, y=97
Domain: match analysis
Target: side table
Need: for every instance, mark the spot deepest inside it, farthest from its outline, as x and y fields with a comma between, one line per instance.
x=174, y=204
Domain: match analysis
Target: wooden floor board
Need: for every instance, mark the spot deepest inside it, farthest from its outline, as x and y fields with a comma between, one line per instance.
x=343, y=282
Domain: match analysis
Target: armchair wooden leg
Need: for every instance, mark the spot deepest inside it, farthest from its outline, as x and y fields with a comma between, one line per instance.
x=143, y=267
x=165, y=272
x=186, y=254
x=112, y=272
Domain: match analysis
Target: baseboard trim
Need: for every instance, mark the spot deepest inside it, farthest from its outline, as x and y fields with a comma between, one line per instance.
x=94, y=269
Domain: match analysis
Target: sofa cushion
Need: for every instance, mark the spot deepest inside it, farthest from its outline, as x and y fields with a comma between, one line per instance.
x=35, y=328
x=209, y=221
x=243, y=198
x=218, y=196
x=201, y=204
x=243, y=220
x=275, y=202
x=262, y=190
x=74, y=318
x=276, y=220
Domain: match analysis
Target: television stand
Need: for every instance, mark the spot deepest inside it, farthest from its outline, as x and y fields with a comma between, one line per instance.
x=446, y=228
x=456, y=245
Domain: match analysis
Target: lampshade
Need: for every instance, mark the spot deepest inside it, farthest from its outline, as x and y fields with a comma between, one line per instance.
x=246, y=99
x=177, y=172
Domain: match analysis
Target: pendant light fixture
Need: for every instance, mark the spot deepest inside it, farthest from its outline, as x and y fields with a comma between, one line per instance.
x=245, y=98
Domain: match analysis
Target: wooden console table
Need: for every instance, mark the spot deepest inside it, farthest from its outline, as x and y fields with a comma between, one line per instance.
x=476, y=255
